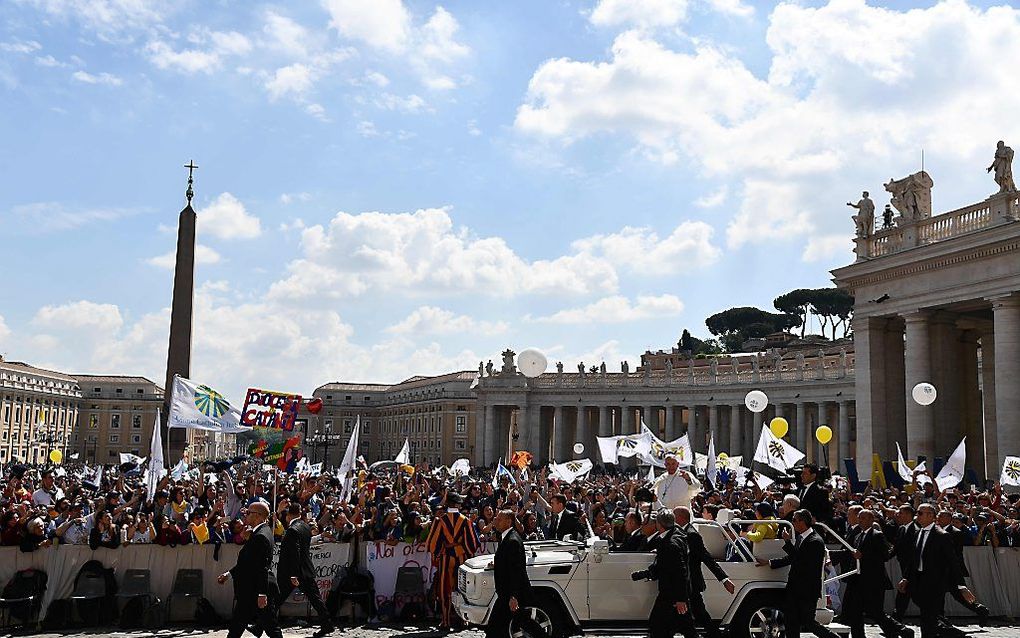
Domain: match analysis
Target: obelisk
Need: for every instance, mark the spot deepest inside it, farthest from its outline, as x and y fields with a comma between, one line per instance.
x=178, y=357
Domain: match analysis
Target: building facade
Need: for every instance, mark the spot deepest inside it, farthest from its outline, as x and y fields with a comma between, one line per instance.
x=435, y=414
x=117, y=415
x=549, y=414
x=38, y=412
x=937, y=300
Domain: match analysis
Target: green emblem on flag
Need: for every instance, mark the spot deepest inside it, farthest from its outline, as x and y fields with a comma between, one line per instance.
x=210, y=402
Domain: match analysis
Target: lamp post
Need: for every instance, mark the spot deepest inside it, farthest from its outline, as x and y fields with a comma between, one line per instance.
x=48, y=437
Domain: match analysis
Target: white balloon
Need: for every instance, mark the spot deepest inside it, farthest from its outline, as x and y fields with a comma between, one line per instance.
x=756, y=401
x=924, y=393
x=531, y=362
x=578, y=448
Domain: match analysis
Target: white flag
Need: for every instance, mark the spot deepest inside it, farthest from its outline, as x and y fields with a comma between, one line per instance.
x=179, y=470
x=198, y=407
x=710, y=463
x=404, y=456
x=570, y=471
x=501, y=471
x=1010, y=471
x=315, y=470
x=952, y=471
x=775, y=452
x=347, y=465
x=658, y=450
x=156, y=470
x=607, y=449
x=921, y=473
x=74, y=457
x=127, y=457
x=901, y=466
x=651, y=474
x=461, y=467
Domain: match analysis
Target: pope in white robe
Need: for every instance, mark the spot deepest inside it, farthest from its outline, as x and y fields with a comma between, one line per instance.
x=676, y=487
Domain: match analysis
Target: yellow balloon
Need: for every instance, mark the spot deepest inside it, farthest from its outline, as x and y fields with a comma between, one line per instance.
x=408, y=468
x=779, y=427
x=56, y=456
x=823, y=434
x=723, y=456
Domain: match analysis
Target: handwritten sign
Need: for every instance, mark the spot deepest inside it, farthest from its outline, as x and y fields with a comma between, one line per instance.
x=268, y=409
x=327, y=561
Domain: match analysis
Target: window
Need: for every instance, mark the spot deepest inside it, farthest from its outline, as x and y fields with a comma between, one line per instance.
x=368, y=427
x=93, y=421
x=7, y=413
x=114, y=438
x=347, y=398
x=120, y=390
x=136, y=422
x=367, y=399
x=5, y=435
x=3, y=454
x=115, y=421
x=136, y=438
x=461, y=444
x=140, y=390
x=113, y=454
x=347, y=426
x=97, y=390
x=461, y=424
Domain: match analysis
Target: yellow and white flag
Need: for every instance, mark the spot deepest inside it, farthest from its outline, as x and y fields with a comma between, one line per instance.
x=775, y=452
x=1010, y=471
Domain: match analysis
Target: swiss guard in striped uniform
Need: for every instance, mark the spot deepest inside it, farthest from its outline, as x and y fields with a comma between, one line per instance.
x=452, y=540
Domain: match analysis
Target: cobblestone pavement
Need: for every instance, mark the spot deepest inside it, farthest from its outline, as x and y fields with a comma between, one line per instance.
x=390, y=631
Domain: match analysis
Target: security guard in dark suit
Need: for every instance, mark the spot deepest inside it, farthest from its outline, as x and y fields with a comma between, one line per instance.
x=697, y=555
x=635, y=540
x=510, y=573
x=295, y=568
x=671, y=610
x=903, y=545
x=255, y=588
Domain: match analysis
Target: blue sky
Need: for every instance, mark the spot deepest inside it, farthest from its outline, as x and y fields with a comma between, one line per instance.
x=390, y=187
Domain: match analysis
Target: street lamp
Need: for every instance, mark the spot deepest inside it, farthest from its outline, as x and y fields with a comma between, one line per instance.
x=48, y=437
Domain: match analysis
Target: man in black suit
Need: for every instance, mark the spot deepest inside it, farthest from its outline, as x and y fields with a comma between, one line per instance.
x=562, y=522
x=805, y=555
x=295, y=568
x=903, y=545
x=255, y=588
x=865, y=591
x=671, y=610
x=697, y=555
x=510, y=566
x=635, y=540
x=931, y=571
x=953, y=524
x=813, y=496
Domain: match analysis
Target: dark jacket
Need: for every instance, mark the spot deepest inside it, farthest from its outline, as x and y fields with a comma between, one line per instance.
x=671, y=567
x=569, y=525
x=252, y=575
x=903, y=545
x=874, y=554
x=960, y=540
x=940, y=569
x=634, y=542
x=804, y=582
x=697, y=555
x=816, y=500
x=511, y=569
x=295, y=556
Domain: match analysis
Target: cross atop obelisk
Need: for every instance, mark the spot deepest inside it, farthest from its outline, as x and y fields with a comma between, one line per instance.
x=178, y=358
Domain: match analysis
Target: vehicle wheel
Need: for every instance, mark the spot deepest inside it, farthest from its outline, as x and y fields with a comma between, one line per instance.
x=532, y=622
x=759, y=618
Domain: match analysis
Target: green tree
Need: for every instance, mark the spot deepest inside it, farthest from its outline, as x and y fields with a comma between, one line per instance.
x=834, y=307
x=734, y=326
x=796, y=302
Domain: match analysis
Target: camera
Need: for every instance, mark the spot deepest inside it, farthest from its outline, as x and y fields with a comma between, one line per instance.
x=641, y=575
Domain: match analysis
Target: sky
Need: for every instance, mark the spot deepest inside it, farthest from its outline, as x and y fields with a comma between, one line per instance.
x=389, y=188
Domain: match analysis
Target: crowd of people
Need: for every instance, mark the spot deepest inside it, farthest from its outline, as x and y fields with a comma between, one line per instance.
x=72, y=504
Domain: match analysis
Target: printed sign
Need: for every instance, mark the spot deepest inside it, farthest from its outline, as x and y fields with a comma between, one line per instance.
x=268, y=409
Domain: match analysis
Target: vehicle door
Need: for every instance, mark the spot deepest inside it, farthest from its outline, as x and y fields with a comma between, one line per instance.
x=612, y=594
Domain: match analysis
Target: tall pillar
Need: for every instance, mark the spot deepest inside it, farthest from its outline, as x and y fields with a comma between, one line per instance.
x=736, y=431
x=650, y=416
x=560, y=435
x=869, y=367
x=970, y=402
x=178, y=357
x=532, y=430
x=483, y=434
x=605, y=421
x=988, y=400
x=843, y=433
x=920, y=418
x=1007, y=373
x=803, y=442
x=671, y=428
x=895, y=424
x=583, y=435
x=945, y=370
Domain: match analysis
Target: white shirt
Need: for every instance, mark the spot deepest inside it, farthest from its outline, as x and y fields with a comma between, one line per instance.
x=673, y=490
x=42, y=497
x=505, y=532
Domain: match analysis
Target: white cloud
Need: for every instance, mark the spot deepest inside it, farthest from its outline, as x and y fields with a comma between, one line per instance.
x=383, y=24
x=289, y=198
x=713, y=199
x=227, y=218
x=423, y=253
x=108, y=17
x=430, y=320
x=294, y=79
x=203, y=256
x=641, y=250
x=318, y=112
x=410, y=104
x=50, y=62
x=829, y=111
x=829, y=249
x=20, y=46
x=286, y=35
x=619, y=309
x=207, y=55
x=43, y=217
x=732, y=7
x=376, y=78
x=101, y=78
x=472, y=128
x=5, y=332
x=366, y=128
x=639, y=13
x=80, y=314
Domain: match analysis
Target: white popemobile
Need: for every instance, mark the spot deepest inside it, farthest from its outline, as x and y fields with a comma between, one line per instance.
x=580, y=585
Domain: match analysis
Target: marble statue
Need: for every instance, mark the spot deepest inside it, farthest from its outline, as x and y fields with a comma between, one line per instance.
x=508, y=361
x=669, y=368
x=713, y=367
x=648, y=374
x=559, y=367
x=580, y=368
x=800, y=360
x=602, y=369
x=912, y=195
x=489, y=368
x=624, y=367
x=865, y=217
x=481, y=368
x=1003, y=167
